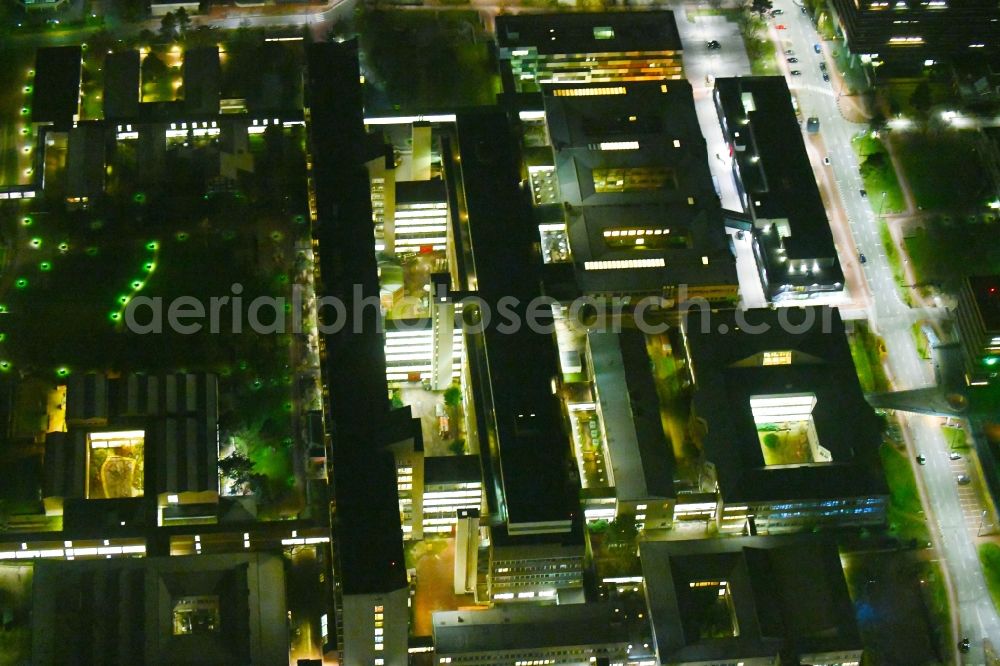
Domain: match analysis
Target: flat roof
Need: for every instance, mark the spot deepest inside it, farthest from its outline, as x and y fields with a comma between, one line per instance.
x=986, y=292
x=786, y=593
x=776, y=175
x=510, y=627
x=202, y=80
x=86, y=159
x=56, y=89
x=641, y=145
x=120, y=610
x=532, y=443
x=420, y=191
x=729, y=368
x=578, y=32
x=444, y=470
x=368, y=528
x=121, y=85
x=642, y=464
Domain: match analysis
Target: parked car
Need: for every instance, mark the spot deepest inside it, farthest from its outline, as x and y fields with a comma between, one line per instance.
x=862, y=258
x=789, y=51
x=804, y=9
x=954, y=456
x=921, y=459
x=963, y=479
x=796, y=72
x=822, y=65
x=777, y=12
x=826, y=77
x=864, y=194
x=714, y=44
x=817, y=48
x=826, y=161
x=793, y=60
x=963, y=645
x=780, y=26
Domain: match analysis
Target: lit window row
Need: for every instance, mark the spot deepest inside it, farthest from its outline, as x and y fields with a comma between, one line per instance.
x=618, y=264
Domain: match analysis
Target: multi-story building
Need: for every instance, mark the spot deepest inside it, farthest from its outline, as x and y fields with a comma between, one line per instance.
x=916, y=31
x=218, y=609
x=536, y=49
x=978, y=317
x=782, y=420
x=757, y=601
x=634, y=194
x=640, y=460
x=538, y=568
x=573, y=635
x=370, y=591
x=791, y=234
x=451, y=484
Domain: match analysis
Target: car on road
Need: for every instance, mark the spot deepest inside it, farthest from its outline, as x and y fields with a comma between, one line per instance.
x=822, y=65
x=777, y=12
x=789, y=51
x=714, y=45
x=817, y=48
x=954, y=456
x=826, y=77
x=780, y=26
x=796, y=72
x=804, y=9
x=921, y=459
x=963, y=645
x=793, y=60
x=963, y=479
x=862, y=258
x=826, y=161
x=864, y=194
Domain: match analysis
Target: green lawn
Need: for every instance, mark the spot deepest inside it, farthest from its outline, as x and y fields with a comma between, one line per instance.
x=866, y=352
x=948, y=248
x=921, y=341
x=943, y=169
x=989, y=555
x=891, y=253
x=902, y=484
x=955, y=438
x=878, y=175
x=763, y=58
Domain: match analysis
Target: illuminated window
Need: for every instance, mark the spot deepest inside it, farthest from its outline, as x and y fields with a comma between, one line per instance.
x=589, y=92
x=604, y=32
x=778, y=358
x=631, y=179
x=115, y=464
x=617, y=264
x=196, y=615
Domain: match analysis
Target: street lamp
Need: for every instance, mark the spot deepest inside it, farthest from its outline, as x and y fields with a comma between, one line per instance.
x=881, y=204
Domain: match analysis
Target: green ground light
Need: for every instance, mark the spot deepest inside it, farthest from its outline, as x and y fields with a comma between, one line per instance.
x=62, y=371
x=4, y=366
x=139, y=198
x=36, y=243
x=45, y=267
x=21, y=283
x=27, y=221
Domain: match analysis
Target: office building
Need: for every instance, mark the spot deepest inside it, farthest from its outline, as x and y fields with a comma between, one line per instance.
x=978, y=317
x=370, y=593
x=912, y=33
x=754, y=600
x=452, y=484
x=782, y=419
x=536, y=568
x=55, y=97
x=792, y=239
x=635, y=195
x=641, y=461
x=581, y=634
x=207, y=609
x=606, y=47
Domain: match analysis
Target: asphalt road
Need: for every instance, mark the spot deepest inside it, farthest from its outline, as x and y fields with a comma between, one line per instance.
x=977, y=617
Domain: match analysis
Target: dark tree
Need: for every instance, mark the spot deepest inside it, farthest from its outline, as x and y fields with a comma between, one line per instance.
x=168, y=26
x=182, y=20
x=237, y=467
x=921, y=99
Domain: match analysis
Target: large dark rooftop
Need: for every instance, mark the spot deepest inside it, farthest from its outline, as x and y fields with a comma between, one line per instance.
x=56, y=97
x=587, y=32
